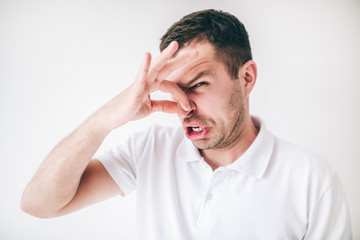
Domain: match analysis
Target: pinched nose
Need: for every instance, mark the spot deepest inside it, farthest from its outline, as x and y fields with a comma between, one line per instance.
x=184, y=114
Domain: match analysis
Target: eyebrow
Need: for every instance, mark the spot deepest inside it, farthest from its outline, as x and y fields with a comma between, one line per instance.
x=200, y=75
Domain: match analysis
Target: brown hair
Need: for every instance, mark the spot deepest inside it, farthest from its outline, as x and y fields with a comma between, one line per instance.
x=223, y=30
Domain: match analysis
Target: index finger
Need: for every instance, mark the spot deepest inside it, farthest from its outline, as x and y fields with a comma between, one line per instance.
x=176, y=63
x=162, y=60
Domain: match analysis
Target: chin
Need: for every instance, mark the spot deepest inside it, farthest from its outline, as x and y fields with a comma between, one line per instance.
x=204, y=145
x=200, y=144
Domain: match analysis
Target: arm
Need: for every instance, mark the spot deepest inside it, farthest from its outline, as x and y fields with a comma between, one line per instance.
x=68, y=179
x=59, y=183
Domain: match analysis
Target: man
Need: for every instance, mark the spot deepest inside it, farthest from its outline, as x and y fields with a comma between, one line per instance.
x=223, y=175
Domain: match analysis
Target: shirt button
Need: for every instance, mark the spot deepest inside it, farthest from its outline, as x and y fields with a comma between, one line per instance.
x=209, y=196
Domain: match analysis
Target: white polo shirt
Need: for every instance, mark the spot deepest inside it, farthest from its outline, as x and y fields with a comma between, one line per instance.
x=273, y=191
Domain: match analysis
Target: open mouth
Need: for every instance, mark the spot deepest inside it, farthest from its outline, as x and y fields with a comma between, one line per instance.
x=196, y=129
x=196, y=132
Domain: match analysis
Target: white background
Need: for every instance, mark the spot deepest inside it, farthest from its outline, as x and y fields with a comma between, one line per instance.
x=61, y=60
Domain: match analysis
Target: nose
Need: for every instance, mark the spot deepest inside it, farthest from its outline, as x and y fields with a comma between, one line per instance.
x=184, y=114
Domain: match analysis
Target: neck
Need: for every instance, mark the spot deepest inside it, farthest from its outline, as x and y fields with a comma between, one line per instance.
x=223, y=156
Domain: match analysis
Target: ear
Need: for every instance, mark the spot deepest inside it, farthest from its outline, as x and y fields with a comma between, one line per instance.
x=248, y=73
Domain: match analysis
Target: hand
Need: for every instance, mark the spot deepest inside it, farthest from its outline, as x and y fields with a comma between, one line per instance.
x=135, y=103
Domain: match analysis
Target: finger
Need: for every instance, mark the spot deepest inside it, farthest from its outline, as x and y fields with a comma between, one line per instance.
x=144, y=68
x=176, y=63
x=176, y=92
x=163, y=106
x=162, y=60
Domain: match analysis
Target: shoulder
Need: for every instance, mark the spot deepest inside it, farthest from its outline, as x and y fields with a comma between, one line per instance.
x=159, y=134
x=297, y=155
x=155, y=139
x=302, y=163
x=143, y=143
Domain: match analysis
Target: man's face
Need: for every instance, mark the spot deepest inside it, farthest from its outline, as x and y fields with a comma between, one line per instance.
x=219, y=106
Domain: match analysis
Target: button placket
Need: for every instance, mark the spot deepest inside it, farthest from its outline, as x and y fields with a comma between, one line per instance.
x=210, y=202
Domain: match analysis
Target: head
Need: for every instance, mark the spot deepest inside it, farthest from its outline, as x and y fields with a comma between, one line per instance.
x=218, y=82
x=223, y=30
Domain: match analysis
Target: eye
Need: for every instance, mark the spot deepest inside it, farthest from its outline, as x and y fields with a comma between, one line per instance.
x=197, y=85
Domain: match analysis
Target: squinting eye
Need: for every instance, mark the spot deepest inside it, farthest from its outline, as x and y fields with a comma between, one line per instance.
x=199, y=84
x=196, y=86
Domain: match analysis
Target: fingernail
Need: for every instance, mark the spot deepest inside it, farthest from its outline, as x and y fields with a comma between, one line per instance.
x=187, y=107
x=172, y=44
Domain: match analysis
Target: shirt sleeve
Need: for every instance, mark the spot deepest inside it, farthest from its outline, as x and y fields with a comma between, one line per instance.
x=119, y=161
x=330, y=219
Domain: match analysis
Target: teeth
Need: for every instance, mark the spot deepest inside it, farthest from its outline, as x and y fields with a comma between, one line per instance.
x=196, y=129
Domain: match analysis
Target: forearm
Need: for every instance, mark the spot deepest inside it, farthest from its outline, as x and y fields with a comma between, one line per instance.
x=57, y=179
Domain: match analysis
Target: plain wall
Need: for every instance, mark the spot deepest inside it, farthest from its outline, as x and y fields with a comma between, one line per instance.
x=61, y=60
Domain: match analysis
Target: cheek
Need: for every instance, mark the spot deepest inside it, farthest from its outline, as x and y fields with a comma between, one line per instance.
x=236, y=98
x=222, y=102
x=210, y=104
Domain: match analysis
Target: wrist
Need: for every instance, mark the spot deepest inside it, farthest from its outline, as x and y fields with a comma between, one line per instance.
x=95, y=127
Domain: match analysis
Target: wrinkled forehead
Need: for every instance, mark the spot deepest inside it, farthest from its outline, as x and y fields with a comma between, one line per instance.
x=206, y=57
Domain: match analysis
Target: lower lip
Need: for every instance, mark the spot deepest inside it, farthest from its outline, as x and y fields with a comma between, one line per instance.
x=192, y=135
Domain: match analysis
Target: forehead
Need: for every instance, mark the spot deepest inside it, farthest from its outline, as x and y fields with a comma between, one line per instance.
x=206, y=60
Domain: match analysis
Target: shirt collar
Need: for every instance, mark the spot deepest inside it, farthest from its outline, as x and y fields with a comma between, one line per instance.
x=255, y=159
x=252, y=162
